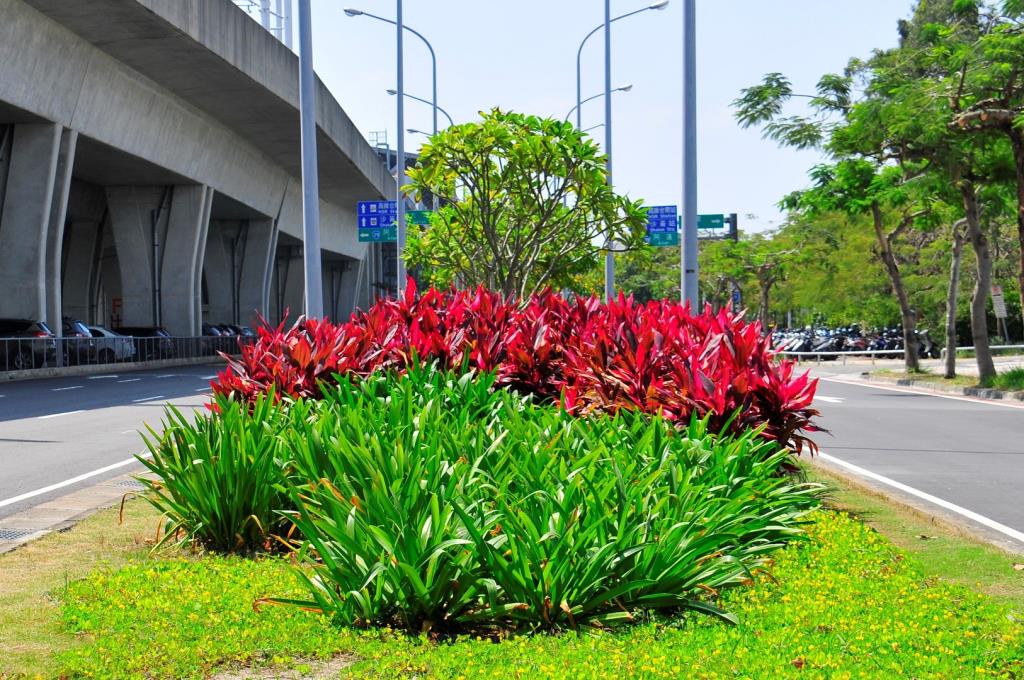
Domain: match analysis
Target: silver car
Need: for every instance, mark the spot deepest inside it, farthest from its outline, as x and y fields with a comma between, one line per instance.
x=111, y=346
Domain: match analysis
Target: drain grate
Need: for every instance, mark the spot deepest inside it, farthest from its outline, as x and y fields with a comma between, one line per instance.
x=14, y=534
x=130, y=484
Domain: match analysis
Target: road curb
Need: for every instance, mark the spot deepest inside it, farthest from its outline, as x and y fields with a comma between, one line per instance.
x=64, y=512
x=919, y=508
x=926, y=386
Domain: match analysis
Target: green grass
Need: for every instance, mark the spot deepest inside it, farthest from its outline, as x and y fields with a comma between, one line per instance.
x=846, y=604
x=1012, y=380
x=939, y=550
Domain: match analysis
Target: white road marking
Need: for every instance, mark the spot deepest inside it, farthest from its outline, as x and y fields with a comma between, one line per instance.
x=169, y=375
x=102, y=377
x=203, y=389
x=907, y=390
x=206, y=377
x=65, y=389
x=57, y=415
x=130, y=380
x=69, y=482
x=969, y=514
x=830, y=400
x=159, y=396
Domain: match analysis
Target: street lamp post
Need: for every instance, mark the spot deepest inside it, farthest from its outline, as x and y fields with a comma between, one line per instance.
x=624, y=88
x=609, y=258
x=579, y=53
x=421, y=99
x=689, y=281
x=310, y=183
x=400, y=176
x=352, y=12
x=433, y=57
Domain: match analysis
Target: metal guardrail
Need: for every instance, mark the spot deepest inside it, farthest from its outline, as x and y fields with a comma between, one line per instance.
x=19, y=354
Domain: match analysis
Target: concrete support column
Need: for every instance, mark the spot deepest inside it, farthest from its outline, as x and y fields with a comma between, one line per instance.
x=137, y=214
x=80, y=269
x=25, y=220
x=55, y=232
x=217, y=268
x=181, y=270
x=254, y=295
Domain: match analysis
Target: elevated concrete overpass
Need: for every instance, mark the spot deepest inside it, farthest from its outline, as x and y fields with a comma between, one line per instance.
x=149, y=168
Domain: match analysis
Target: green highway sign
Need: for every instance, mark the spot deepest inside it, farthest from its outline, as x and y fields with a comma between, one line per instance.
x=420, y=217
x=664, y=238
x=378, y=235
x=710, y=221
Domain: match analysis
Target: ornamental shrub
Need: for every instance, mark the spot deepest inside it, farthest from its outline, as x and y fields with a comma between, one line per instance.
x=657, y=357
x=431, y=502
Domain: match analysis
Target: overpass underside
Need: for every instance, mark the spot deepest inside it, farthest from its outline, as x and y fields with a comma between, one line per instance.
x=149, y=169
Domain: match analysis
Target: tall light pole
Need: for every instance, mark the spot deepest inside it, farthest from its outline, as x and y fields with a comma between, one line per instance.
x=400, y=176
x=662, y=4
x=624, y=88
x=688, y=257
x=421, y=99
x=433, y=57
x=609, y=256
x=310, y=182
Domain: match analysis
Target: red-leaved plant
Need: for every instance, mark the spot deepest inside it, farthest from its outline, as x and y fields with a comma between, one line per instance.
x=590, y=357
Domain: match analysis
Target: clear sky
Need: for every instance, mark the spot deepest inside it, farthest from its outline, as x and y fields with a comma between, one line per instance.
x=521, y=55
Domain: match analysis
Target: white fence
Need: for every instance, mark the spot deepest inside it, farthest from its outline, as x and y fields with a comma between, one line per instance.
x=873, y=353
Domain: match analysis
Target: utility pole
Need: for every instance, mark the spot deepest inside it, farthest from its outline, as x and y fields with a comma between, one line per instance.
x=609, y=256
x=688, y=251
x=310, y=182
x=400, y=175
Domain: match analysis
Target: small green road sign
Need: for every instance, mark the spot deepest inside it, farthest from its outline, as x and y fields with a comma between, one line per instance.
x=710, y=221
x=420, y=217
x=663, y=238
x=378, y=235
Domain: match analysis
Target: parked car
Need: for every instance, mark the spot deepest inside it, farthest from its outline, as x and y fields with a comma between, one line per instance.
x=111, y=346
x=151, y=342
x=26, y=343
x=77, y=343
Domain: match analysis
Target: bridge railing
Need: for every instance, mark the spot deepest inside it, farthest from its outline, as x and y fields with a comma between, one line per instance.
x=20, y=354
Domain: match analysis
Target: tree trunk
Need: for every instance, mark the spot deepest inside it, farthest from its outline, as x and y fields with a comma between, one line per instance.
x=762, y=312
x=1017, y=139
x=954, y=285
x=982, y=285
x=907, y=316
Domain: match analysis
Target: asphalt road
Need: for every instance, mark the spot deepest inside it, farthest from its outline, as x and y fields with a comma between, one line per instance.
x=964, y=452
x=55, y=430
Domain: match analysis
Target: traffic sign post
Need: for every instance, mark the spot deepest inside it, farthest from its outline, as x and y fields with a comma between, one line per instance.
x=999, y=307
x=663, y=225
x=419, y=217
x=376, y=221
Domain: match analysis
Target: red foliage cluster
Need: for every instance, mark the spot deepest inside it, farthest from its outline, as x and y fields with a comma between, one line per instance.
x=593, y=357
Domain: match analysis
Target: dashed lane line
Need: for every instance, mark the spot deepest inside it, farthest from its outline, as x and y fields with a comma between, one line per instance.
x=65, y=389
x=159, y=396
x=128, y=380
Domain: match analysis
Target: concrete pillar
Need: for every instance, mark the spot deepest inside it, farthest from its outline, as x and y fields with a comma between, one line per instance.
x=217, y=268
x=181, y=268
x=25, y=220
x=137, y=214
x=254, y=294
x=80, y=269
x=55, y=232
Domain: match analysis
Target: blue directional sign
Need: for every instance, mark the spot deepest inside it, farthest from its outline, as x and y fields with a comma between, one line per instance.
x=663, y=225
x=376, y=221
